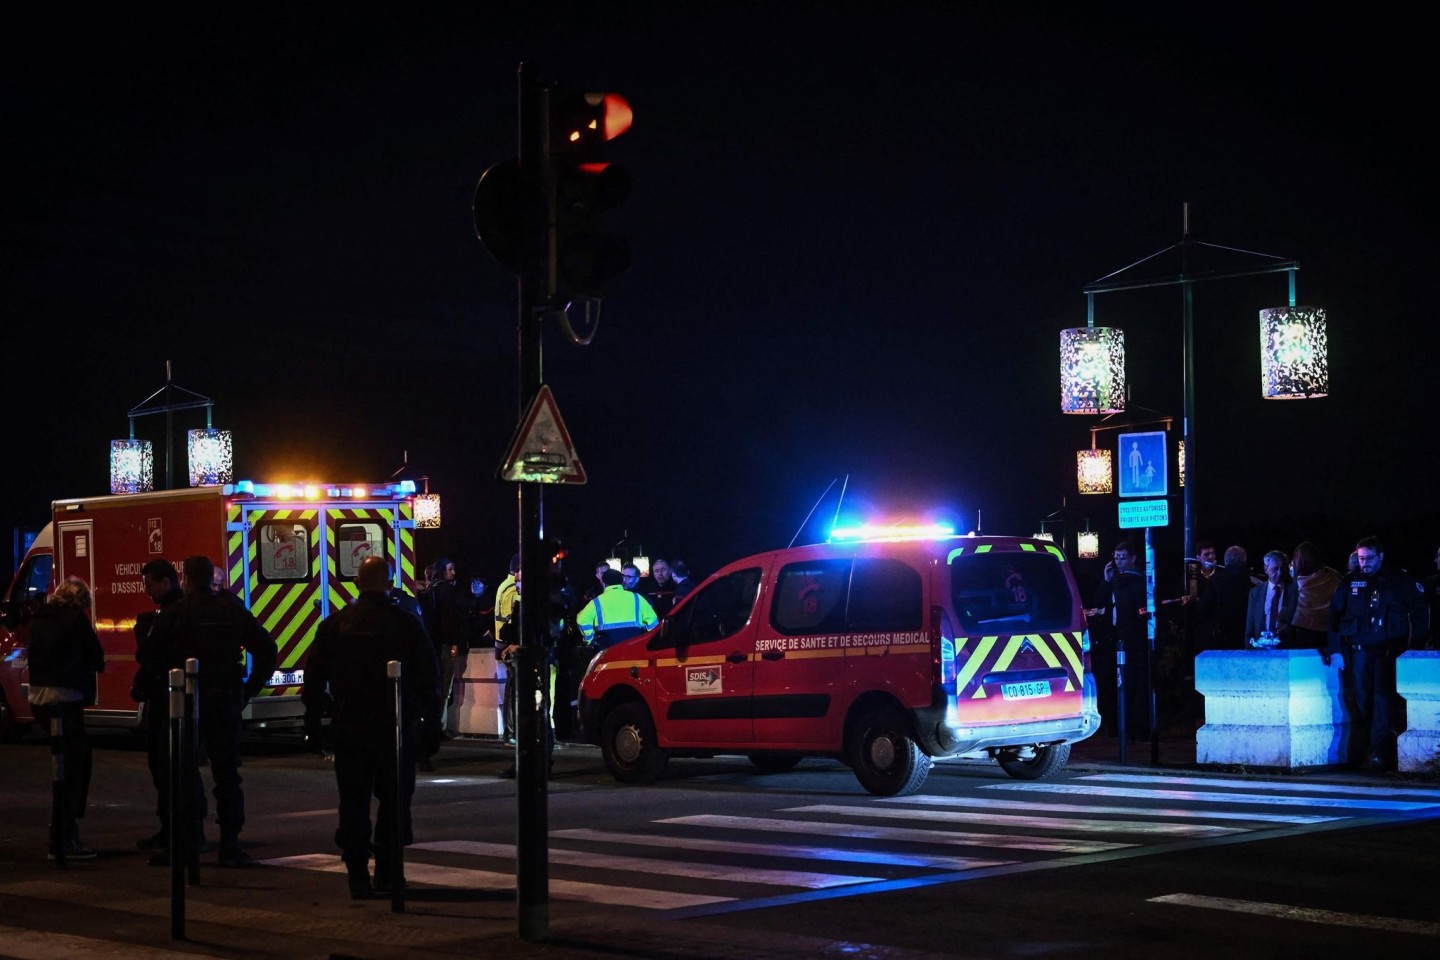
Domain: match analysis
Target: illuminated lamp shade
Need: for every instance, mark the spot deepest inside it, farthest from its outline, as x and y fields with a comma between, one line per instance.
x=1293, y=353
x=1044, y=535
x=427, y=511
x=642, y=563
x=212, y=457
x=613, y=563
x=1089, y=545
x=1094, y=470
x=1092, y=370
x=1180, y=462
x=132, y=466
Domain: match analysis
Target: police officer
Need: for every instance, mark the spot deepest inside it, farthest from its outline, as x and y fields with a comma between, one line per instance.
x=151, y=687
x=1374, y=617
x=618, y=613
x=345, y=676
x=1122, y=595
x=236, y=658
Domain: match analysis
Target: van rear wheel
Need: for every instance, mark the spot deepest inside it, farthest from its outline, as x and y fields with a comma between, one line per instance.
x=1034, y=763
x=628, y=744
x=886, y=759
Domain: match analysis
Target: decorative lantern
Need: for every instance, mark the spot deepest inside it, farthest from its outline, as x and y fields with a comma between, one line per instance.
x=427, y=511
x=1092, y=370
x=1094, y=471
x=212, y=457
x=1089, y=545
x=1044, y=535
x=642, y=563
x=132, y=466
x=1293, y=350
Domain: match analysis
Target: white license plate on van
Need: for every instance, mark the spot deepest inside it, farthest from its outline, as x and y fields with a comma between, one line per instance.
x=1025, y=691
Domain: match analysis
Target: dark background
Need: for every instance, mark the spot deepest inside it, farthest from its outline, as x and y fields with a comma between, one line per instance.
x=858, y=230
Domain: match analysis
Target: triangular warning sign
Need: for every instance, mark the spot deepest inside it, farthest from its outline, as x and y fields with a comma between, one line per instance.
x=541, y=451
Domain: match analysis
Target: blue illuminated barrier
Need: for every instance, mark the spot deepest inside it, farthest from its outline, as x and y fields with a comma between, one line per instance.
x=1271, y=708
x=1417, y=678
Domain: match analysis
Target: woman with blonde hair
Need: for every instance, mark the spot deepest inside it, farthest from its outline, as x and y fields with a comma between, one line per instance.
x=1315, y=584
x=65, y=655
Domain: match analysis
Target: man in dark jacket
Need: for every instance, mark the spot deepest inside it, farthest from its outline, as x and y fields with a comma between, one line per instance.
x=237, y=658
x=64, y=656
x=1122, y=596
x=151, y=687
x=1377, y=614
x=345, y=677
x=1221, y=606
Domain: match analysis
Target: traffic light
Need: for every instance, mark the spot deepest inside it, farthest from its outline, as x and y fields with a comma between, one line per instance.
x=580, y=186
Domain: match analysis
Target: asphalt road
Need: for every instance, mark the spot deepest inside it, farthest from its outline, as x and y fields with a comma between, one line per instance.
x=718, y=861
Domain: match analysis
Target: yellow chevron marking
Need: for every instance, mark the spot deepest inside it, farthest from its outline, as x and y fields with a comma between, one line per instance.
x=1043, y=648
x=260, y=599
x=974, y=661
x=1027, y=547
x=292, y=594
x=301, y=645
x=1071, y=651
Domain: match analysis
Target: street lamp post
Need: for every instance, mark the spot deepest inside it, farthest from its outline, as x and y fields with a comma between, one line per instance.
x=1298, y=346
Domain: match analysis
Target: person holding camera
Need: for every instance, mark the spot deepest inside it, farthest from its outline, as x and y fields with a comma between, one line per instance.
x=346, y=679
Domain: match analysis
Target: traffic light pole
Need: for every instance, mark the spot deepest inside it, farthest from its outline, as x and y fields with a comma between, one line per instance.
x=532, y=755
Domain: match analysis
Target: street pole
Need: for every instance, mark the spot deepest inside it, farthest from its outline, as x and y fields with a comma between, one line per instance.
x=532, y=860
x=1186, y=280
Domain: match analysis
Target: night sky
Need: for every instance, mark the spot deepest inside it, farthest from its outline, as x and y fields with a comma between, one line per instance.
x=858, y=230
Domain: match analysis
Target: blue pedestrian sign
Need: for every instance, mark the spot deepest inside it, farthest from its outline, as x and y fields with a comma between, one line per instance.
x=1141, y=459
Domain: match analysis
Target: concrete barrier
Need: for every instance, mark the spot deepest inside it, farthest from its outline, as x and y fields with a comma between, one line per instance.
x=478, y=693
x=1271, y=708
x=1417, y=679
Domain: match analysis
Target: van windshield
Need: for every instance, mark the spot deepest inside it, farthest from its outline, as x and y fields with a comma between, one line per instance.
x=1010, y=593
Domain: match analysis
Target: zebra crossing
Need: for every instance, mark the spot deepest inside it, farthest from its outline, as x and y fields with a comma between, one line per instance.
x=695, y=864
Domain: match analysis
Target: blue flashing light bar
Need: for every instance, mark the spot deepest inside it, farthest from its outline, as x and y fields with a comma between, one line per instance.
x=888, y=533
x=317, y=491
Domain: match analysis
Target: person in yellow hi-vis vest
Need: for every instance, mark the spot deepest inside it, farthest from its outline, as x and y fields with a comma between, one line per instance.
x=616, y=614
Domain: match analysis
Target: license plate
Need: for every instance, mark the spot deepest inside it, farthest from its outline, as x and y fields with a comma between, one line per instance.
x=1025, y=691
x=286, y=678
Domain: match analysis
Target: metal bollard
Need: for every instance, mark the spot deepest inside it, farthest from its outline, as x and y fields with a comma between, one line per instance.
x=1120, y=695
x=397, y=849
x=177, y=815
x=191, y=754
x=59, y=813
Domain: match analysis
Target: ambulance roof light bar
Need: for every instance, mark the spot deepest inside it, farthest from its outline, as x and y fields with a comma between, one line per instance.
x=886, y=533
x=314, y=491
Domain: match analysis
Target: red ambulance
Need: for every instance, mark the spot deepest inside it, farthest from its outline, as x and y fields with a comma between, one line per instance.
x=289, y=551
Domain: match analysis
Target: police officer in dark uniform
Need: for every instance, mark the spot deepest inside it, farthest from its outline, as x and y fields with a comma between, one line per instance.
x=1378, y=613
x=1122, y=595
x=236, y=658
x=345, y=677
x=151, y=687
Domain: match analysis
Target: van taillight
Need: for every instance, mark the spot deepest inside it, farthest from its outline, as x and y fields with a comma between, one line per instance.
x=942, y=650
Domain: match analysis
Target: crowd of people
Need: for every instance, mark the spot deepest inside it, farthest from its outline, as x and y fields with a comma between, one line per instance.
x=1360, y=621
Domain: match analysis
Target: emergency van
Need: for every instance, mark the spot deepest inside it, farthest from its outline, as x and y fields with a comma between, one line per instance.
x=885, y=648
x=290, y=552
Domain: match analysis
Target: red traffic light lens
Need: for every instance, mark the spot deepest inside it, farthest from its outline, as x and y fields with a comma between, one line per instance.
x=618, y=115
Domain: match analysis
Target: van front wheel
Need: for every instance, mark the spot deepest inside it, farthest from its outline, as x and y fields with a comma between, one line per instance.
x=1034, y=763
x=627, y=742
x=886, y=759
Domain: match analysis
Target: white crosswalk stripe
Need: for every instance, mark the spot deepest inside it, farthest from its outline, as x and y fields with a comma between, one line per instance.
x=1007, y=825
